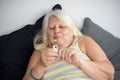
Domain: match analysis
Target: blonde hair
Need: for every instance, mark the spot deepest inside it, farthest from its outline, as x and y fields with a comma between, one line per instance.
x=41, y=39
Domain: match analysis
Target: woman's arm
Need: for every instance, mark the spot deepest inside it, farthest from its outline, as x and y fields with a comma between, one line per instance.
x=99, y=68
x=38, y=62
x=35, y=66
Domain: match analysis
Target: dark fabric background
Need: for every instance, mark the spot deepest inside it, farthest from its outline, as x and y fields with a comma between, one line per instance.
x=15, y=51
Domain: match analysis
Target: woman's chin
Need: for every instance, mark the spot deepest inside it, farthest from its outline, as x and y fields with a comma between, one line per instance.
x=62, y=45
x=60, y=42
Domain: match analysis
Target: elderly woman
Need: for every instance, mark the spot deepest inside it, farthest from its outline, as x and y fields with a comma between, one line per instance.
x=63, y=53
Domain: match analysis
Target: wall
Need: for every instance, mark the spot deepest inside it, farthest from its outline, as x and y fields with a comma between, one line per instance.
x=14, y=14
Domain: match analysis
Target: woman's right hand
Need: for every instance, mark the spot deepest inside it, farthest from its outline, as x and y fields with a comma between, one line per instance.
x=48, y=56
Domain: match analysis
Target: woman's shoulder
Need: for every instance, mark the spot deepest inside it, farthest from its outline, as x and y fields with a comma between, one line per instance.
x=83, y=41
x=36, y=53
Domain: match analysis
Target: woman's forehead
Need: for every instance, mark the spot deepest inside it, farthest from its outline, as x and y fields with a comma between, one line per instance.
x=52, y=17
x=55, y=20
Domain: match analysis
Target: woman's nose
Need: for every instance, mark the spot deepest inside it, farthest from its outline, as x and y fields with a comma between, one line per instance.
x=57, y=29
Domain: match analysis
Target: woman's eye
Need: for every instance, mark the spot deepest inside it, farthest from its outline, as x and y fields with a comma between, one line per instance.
x=51, y=28
x=62, y=26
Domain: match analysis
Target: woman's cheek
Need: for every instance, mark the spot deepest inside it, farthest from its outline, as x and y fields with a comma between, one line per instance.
x=50, y=36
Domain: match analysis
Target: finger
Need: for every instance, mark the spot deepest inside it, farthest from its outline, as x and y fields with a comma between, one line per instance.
x=70, y=54
x=49, y=53
x=52, y=58
x=63, y=54
x=51, y=50
x=67, y=51
x=60, y=53
x=67, y=55
x=53, y=55
x=70, y=57
x=48, y=62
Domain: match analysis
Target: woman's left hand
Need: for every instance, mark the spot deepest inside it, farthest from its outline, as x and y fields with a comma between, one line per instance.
x=69, y=55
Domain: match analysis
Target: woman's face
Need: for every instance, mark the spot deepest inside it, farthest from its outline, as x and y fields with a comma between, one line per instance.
x=59, y=31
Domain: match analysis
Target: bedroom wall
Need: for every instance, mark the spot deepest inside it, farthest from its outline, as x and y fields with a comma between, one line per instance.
x=15, y=14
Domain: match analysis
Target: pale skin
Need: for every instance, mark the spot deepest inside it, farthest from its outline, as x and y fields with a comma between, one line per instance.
x=98, y=68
